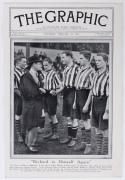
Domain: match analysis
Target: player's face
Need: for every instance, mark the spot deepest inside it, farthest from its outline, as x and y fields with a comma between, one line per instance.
x=82, y=60
x=47, y=66
x=22, y=63
x=100, y=63
x=38, y=66
x=65, y=59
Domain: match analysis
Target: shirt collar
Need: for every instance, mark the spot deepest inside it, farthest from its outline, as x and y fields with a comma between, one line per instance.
x=86, y=67
x=33, y=72
x=68, y=67
x=48, y=70
x=21, y=70
x=101, y=73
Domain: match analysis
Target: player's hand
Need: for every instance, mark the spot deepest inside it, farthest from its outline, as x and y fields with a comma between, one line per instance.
x=106, y=115
x=74, y=106
x=58, y=101
x=90, y=113
x=43, y=91
x=85, y=109
x=17, y=92
x=53, y=92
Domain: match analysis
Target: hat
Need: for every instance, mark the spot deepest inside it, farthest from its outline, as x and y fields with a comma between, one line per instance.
x=33, y=59
x=42, y=56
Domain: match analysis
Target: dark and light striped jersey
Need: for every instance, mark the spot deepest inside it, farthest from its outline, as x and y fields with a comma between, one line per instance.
x=41, y=77
x=17, y=75
x=84, y=79
x=69, y=76
x=101, y=84
x=51, y=80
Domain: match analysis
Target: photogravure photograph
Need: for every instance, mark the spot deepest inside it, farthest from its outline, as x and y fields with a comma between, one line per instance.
x=61, y=98
x=63, y=90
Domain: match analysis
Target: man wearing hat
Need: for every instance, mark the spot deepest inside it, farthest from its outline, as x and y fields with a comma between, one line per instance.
x=32, y=96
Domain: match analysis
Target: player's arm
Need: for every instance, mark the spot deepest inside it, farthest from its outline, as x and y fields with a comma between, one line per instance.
x=76, y=79
x=74, y=103
x=43, y=91
x=59, y=85
x=106, y=114
x=89, y=99
x=59, y=90
x=41, y=79
x=16, y=90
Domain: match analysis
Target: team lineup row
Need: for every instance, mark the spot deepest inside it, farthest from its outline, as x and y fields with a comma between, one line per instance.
x=85, y=97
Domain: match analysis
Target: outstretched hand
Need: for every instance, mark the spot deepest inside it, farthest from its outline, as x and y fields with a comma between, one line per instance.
x=53, y=92
x=43, y=91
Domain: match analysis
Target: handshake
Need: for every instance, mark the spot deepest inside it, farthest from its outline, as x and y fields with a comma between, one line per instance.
x=53, y=92
x=43, y=91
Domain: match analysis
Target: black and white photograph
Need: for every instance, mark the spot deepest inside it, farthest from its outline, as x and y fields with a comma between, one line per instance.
x=61, y=98
x=63, y=95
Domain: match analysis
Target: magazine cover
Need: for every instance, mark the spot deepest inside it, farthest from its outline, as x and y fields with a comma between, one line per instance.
x=63, y=89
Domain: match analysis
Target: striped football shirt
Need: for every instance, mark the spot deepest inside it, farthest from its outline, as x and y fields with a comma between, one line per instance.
x=51, y=80
x=69, y=76
x=101, y=84
x=17, y=75
x=84, y=79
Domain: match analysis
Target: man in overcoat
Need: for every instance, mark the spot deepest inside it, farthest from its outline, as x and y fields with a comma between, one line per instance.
x=32, y=95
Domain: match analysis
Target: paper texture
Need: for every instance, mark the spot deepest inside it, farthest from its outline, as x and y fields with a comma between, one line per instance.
x=51, y=29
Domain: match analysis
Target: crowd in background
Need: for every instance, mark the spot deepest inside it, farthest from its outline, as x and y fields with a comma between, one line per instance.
x=93, y=47
x=57, y=65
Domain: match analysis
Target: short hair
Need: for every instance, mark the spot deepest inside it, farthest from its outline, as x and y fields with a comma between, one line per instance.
x=86, y=54
x=104, y=55
x=47, y=59
x=18, y=58
x=68, y=53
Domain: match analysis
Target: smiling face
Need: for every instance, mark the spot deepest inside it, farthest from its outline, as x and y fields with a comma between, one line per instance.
x=47, y=66
x=65, y=59
x=100, y=62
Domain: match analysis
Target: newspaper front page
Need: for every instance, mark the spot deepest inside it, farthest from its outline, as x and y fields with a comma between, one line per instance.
x=42, y=30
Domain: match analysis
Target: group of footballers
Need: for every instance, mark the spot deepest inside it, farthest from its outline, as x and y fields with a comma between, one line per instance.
x=85, y=97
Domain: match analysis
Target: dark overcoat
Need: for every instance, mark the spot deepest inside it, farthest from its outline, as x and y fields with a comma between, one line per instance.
x=32, y=101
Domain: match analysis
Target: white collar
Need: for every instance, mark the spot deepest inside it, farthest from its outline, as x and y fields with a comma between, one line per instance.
x=33, y=72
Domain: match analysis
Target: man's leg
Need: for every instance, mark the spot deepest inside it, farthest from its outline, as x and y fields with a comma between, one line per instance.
x=18, y=128
x=82, y=145
x=42, y=123
x=32, y=136
x=74, y=129
x=52, y=128
x=69, y=129
x=18, y=113
x=104, y=150
x=99, y=139
x=87, y=125
x=55, y=135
